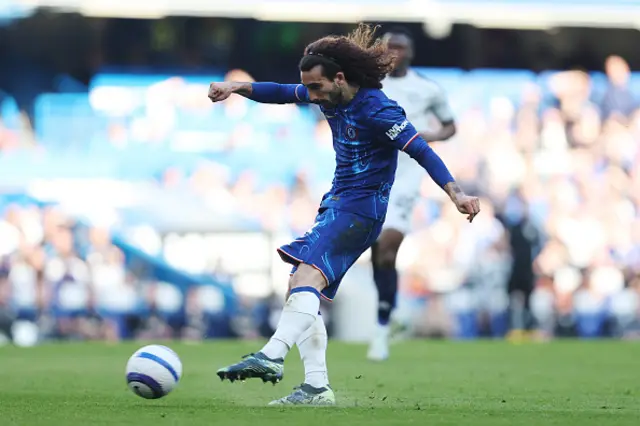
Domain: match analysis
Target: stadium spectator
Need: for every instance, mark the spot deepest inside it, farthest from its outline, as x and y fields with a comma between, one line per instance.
x=618, y=98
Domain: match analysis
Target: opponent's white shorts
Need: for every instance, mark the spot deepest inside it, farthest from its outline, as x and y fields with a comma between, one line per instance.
x=404, y=195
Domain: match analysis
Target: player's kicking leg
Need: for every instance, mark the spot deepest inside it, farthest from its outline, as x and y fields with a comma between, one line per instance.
x=320, y=258
x=299, y=313
x=313, y=350
x=383, y=256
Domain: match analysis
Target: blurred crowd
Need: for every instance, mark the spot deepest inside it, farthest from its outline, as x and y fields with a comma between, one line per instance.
x=50, y=276
x=556, y=249
x=557, y=245
x=60, y=279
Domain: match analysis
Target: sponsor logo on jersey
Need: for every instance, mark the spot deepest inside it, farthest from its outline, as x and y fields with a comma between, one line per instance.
x=395, y=131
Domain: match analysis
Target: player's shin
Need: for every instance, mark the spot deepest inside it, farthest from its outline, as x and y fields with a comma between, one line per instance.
x=298, y=314
x=312, y=345
x=385, y=274
x=387, y=283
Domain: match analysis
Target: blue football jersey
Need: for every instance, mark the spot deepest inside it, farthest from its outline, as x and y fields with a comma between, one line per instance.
x=367, y=132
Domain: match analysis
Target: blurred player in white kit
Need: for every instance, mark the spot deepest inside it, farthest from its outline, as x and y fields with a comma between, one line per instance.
x=422, y=99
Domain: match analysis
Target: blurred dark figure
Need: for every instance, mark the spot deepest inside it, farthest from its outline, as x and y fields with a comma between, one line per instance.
x=524, y=238
x=618, y=98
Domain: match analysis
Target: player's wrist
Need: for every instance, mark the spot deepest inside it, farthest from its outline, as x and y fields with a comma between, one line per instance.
x=244, y=89
x=454, y=191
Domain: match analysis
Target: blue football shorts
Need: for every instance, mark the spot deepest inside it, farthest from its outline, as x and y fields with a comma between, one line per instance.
x=334, y=243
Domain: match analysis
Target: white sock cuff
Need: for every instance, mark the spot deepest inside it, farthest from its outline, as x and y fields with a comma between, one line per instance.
x=305, y=300
x=305, y=289
x=298, y=315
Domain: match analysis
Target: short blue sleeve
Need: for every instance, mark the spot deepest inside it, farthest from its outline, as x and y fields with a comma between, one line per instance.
x=391, y=126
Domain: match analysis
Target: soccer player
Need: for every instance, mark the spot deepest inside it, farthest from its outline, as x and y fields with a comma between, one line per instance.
x=421, y=99
x=342, y=74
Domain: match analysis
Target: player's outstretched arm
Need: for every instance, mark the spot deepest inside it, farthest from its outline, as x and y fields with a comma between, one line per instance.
x=267, y=93
x=395, y=129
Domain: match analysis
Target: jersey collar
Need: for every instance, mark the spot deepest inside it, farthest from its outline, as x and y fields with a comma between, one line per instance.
x=359, y=94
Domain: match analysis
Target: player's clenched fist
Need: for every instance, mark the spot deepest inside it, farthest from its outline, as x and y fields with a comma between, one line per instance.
x=220, y=91
x=468, y=205
x=464, y=203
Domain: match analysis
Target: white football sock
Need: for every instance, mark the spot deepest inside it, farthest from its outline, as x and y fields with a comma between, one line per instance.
x=298, y=314
x=313, y=351
x=383, y=331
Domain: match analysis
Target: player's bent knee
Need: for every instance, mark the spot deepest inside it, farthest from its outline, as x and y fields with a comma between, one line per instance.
x=390, y=240
x=307, y=276
x=387, y=248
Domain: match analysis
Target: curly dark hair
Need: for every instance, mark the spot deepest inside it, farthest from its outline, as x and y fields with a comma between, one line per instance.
x=364, y=59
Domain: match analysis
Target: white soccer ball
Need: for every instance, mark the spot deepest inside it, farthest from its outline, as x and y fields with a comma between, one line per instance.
x=153, y=371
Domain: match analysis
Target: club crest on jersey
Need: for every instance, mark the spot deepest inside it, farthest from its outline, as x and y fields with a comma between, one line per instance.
x=395, y=131
x=352, y=133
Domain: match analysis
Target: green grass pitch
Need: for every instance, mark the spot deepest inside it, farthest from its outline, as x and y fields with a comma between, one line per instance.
x=424, y=383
